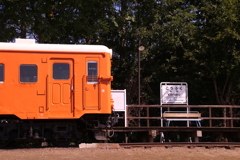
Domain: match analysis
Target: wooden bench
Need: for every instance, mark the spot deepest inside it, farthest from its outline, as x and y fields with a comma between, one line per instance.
x=182, y=116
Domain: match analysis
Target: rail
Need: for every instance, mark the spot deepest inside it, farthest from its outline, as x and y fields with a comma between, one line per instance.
x=211, y=115
x=227, y=145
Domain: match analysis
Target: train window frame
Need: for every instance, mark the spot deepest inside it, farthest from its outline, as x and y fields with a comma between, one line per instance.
x=93, y=79
x=2, y=67
x=60, y=74
x=28, y=77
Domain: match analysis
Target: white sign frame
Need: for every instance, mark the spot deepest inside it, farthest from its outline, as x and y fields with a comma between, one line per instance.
x=173, y=93
x=119, y=102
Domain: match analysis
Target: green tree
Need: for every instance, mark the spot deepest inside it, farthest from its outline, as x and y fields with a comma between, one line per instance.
x=217, y=53
x=185, y=40
x=169, y=44
x=56, y=21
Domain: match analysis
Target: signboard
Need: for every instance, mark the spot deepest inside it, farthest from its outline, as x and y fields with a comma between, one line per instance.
x=119, y=98
x=173, y=93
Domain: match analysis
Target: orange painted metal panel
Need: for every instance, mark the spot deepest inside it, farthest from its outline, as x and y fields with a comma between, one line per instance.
x=48, y=98
x=61, y=74
x=56, y=93
x=66, y=96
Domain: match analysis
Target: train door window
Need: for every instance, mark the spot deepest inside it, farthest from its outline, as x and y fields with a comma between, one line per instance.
x=28, y=73
x=1, y=73
x=61, y=71
x=92, y=69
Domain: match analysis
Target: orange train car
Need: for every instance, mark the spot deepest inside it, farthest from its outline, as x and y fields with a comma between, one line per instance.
x=53, y=82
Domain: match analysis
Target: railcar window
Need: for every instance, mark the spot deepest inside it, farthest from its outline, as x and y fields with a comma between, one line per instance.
x=28, y=73
x=61, y=71
x=1, y=73
x=92, y=71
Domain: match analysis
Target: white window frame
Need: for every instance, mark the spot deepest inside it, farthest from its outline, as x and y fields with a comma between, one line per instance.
x=92, y=82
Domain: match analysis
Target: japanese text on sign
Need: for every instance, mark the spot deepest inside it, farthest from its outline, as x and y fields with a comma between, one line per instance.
x=174, y=94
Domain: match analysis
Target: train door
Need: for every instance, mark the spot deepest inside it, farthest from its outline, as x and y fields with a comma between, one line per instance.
x=60, y=88
x=91, y=85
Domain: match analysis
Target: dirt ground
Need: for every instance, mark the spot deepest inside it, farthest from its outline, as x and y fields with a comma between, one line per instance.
x=174, y=153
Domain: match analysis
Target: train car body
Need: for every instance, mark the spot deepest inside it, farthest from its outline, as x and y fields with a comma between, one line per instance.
x=48, y=88
x=51, y=81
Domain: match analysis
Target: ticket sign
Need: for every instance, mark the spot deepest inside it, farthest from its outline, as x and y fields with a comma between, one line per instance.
x=174, y=93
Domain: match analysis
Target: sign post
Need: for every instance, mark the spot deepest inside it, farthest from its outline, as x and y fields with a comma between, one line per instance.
x=173, y=93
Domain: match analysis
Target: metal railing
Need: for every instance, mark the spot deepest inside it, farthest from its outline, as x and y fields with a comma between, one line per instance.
x=211, y=115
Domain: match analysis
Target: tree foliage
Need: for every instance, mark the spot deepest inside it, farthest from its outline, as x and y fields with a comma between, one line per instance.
x=218, y=47
x=193, y=41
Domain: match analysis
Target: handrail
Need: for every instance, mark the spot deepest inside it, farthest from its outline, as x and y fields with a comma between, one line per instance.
x=227, y=118
x=186, y=106
x=72, y=91
x=47, y=93
x=99, y=94
x=83, y=91
x=181, y=112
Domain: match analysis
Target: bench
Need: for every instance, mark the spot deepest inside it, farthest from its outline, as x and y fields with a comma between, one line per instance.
x=182, y=116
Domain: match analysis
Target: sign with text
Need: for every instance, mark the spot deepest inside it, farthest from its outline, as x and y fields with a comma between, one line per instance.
x=173, y=93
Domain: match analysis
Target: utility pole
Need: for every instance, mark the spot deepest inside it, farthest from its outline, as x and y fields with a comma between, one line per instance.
x=139, y=73
x=140, y=48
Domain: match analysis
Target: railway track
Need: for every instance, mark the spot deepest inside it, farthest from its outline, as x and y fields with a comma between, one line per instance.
x=227, y=145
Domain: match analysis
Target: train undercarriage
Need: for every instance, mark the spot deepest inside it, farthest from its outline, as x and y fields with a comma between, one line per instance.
x=57, y=132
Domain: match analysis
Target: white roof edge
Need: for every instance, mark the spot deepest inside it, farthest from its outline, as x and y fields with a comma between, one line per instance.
x=30, y=46
x=28, y=41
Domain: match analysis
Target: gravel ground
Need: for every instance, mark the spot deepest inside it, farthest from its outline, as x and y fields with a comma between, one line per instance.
x=174, y=153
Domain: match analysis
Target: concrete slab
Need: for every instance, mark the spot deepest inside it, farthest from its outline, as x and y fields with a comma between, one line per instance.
x=100, y=145
x=44, y=144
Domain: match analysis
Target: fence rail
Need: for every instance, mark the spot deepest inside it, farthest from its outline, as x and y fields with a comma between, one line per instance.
x=211, y=115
